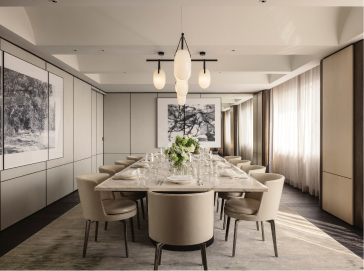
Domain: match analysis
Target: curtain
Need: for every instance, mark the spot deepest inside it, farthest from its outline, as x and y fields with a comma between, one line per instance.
x=296, y=131
x=246, y=130
x=227, y=132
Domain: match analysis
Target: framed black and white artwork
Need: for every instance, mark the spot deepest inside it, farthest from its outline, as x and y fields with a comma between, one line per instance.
x=25, y=113
x=55, y=124
x=200, y=117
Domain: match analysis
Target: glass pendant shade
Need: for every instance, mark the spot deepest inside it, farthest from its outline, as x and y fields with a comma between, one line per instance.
x=181, y=99
x=204, y=78
x=182, y=87
x=159, y=79
x=182, y=65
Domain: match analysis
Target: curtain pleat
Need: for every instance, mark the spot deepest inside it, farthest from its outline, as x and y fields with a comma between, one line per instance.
x=246, y=130
x=227, y=137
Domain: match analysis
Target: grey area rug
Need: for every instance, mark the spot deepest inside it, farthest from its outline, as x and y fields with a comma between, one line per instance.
x=301, y=246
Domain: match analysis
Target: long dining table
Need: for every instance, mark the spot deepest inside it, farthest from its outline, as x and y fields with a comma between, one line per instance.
x=157, y=181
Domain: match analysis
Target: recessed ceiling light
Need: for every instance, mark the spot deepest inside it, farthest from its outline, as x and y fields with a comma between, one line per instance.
x=53, y=1
x=75, y=50
x=102, y=50
x=233, y=50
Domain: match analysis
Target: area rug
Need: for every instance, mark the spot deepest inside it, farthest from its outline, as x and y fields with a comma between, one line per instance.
x=301, y=246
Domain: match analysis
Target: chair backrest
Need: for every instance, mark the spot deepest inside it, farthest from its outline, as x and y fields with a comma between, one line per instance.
x=227, y=158
x=235, y=161
x=249, y=169
x=181, y=219
x=111, y=169
x=243, y=163
x=269, y=201
x=135, y=158
x=91, y=200
x=124, y=162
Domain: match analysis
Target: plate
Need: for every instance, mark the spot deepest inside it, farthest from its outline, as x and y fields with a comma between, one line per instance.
x=180, y=179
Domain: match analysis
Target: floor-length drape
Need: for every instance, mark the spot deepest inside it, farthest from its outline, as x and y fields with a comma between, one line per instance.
x=227, y=137
x=296, y=131
x=246, y=130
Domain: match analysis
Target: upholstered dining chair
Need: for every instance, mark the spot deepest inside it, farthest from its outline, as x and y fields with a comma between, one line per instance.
x=95, y=209
x=237, y=162
x=249, y=169
x=181, y=220
x=135, y=158
x=125, y=163
x=257, y=206
x=227, y=158
x=134, y=196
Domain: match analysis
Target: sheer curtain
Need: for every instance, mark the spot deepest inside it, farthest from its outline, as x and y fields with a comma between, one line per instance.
x=227, y=136
x=296, y=131
x=246, y=130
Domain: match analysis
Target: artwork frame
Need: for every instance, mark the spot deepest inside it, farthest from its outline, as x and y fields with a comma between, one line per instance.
x=25, y=100
x=199, y=116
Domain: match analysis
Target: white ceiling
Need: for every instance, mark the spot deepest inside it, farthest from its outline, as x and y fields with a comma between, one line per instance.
x=272, y=41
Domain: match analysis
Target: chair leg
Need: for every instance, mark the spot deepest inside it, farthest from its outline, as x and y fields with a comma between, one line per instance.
x=235, y=235
x=105, y=226
x=146, y=201
x=142, y=205
x=217, y=205
x=273, y=227
x=96, y=230
x=261, y=223
x=203, y=255
x=126, y=239
x=224, y=223
x=257, y=222
x=157, y=254
x=137, y=215
x=222, y=208
x=132, y=230
x=215, y=198
x=227, y=228
x=87, y=232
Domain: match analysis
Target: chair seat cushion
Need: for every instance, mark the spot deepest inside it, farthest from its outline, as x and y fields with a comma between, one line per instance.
x=118, y=206
x=228, y=196
x=245, y=206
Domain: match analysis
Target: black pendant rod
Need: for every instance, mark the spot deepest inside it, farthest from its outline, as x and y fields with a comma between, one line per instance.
x=173, y=60
x=159, y=65
x=204, y=66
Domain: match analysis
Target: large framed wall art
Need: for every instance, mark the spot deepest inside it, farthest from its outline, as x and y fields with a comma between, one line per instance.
x=33, y=114
x=200, y=117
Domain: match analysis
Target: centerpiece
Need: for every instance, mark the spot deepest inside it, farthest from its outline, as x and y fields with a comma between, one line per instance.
x=189, y=142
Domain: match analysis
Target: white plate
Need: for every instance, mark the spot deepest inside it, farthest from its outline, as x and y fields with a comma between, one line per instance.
x=179, y=181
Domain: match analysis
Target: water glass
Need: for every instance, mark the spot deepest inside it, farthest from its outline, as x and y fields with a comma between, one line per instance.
x=141, y=173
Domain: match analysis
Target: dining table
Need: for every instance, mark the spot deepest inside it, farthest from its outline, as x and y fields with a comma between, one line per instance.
x=156, y=178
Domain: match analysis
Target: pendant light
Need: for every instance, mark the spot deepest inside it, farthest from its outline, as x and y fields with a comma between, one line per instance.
x=181, y=99
x=182, y=61
x=159, y=76
x=204, y=77
x=182, y=87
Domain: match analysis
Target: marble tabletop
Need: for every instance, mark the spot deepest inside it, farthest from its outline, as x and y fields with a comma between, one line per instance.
x=160, y=182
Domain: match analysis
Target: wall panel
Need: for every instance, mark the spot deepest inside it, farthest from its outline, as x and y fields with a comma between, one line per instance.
x=110, y=158
x=94, y=168
x=100, y=123
x=59, y=182
x=117, y=123
x=81, y=167
x=82, y=120
x=93, y=122
x=143, y=122
x=21, y=197
x=99, y=161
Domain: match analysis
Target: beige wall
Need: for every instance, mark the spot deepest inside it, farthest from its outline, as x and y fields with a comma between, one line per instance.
x=27, y=189
x=337, y=134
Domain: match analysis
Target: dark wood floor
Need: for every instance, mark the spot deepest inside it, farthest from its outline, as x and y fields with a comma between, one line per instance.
x=302, y=203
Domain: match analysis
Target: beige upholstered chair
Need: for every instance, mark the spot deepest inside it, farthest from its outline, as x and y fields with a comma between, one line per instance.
x=134, y=196
x=134, y=158
x=249, y=169
x=125, y=163
x=257, y=206
x=95, y=209
x=181, y=220
x=243, y=163
x=227, y=158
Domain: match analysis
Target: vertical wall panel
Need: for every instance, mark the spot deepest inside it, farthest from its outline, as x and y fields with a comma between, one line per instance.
x=59, y=182
x=100, y=123
x=93, y=123
x=143, y=123
x=81, y=167
x=117, y=123
x=110, y=158
x=82, y=120
x=99, y=161
x=337, y=134
x=67, y=118
x=21, y=197
x=94, y=164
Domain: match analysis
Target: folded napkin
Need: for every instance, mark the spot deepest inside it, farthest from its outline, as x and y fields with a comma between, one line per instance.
x=140, y=165
x=232, y=173
x=126, y=175
x=223, y=165
x=181, y=178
